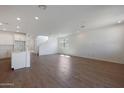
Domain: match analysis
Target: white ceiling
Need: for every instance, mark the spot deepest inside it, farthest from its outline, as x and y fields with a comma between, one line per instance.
x=59, y=19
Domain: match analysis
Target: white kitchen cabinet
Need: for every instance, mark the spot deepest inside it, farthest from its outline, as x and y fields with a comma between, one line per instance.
x=20, y=37
x=20, y=60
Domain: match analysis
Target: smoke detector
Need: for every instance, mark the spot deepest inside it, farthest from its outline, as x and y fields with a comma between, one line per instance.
x=82, y=26
x=42, y=6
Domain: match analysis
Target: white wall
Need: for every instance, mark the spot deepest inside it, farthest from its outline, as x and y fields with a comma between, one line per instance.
x=6, y=44
x=49, y=47
x=6, y=38
x=104, y=43
x=41, y=39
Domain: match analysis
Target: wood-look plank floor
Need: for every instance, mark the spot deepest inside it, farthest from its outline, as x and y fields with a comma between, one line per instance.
x=55, y=71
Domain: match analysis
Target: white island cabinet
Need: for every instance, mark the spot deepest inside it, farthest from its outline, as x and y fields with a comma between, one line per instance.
x=20, y=57
x=20, y=60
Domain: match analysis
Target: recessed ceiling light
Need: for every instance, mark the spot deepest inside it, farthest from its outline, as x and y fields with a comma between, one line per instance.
x=37, y=18
x=4, y=29
x=18, y=18
x=18, y=27
x=1, y=23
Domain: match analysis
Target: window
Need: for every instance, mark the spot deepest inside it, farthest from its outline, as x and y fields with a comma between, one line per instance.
x=64, y=43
